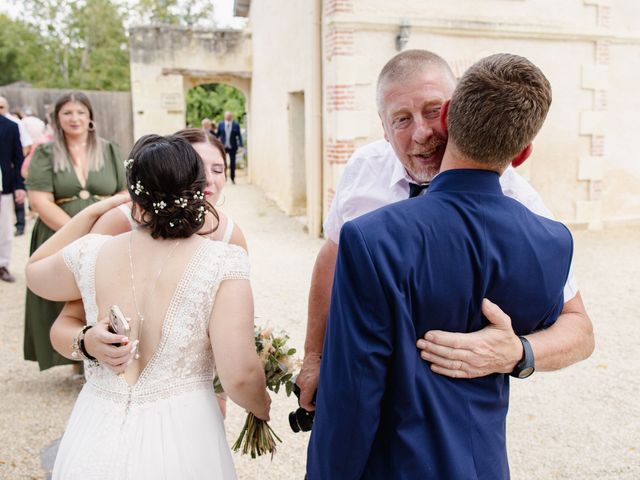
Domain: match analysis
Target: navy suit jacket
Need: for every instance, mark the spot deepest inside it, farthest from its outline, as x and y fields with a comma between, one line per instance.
x=419, y=265
x=10, y=156
x=235, y=140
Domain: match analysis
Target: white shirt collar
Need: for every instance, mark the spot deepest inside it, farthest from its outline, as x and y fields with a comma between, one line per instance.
x=399, y=173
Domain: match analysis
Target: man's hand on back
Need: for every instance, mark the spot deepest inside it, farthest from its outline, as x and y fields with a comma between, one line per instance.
x=494, y=349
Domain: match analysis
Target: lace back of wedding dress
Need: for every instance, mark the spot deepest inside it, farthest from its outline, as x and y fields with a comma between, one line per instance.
x=168, y=424
x=183, y=357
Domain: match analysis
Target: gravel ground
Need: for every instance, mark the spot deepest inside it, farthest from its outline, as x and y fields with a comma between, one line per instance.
x=580, y=423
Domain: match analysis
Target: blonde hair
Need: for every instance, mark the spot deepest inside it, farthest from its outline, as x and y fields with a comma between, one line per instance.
x=95, y=145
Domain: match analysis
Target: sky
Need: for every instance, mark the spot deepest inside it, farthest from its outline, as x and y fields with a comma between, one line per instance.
x=223, y=11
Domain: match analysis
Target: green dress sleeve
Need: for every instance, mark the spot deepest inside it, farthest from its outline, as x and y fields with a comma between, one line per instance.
x=117, y=159
x=40, y=177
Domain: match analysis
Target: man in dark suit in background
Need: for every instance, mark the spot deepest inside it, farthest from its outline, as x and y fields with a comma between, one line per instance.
x=12, y=183
x=230, y=136
x=427, y=263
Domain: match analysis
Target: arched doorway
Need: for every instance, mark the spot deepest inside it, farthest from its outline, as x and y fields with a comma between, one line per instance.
x=210, y=101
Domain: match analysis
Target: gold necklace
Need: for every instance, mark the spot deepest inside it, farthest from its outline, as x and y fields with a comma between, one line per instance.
x=155, y=284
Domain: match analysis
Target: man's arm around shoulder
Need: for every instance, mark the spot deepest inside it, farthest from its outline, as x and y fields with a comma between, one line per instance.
x=497, y=349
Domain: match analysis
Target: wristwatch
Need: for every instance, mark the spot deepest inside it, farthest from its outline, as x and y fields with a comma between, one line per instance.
x=526, y=366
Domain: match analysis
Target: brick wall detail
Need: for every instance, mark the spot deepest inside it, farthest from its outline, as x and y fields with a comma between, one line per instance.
x=339, y=151
x=590, y=210
x=340, y=97
x=331, y=7
x=339, y=42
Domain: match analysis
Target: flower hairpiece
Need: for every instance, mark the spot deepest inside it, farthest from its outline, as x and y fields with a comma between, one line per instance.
x=128, y=163
x=198, y=195
x=181, y=202
x=139, y=188
x=201, y=211
x=159, y=206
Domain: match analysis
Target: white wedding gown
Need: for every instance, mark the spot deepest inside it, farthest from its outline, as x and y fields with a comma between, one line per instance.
x=168, y=424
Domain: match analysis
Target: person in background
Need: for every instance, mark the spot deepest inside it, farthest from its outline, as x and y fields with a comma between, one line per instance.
x=45, y=136
x=70, y=173
x=25, y=138
x=26, y=141
x=210, y=128
x=35, y=126
x=231, y=137
x=11, y=184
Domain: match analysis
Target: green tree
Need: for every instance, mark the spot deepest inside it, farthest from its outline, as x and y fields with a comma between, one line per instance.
x=103, y=53
x=81, y=45
x=211, y=101
x=21, y=46
x=175, y=12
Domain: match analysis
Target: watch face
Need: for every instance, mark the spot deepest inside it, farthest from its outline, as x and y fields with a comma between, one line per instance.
x=526, y=372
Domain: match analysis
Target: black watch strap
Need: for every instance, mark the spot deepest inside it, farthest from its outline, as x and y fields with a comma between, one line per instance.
x=526, y=366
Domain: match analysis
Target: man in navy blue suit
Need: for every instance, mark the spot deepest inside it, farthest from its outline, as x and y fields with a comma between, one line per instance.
x=231, y=137
x=12, y=183
x=427, y=263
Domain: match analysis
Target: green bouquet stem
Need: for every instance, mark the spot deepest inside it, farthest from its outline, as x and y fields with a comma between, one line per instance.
x=256, y=438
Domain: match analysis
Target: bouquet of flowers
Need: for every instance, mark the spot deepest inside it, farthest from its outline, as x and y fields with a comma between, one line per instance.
x=256, y=436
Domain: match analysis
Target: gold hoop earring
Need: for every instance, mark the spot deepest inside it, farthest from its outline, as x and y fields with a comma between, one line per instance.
x=224, y=199
x=92, y=126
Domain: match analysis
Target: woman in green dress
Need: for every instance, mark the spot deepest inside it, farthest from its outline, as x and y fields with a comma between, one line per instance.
x=75, y=170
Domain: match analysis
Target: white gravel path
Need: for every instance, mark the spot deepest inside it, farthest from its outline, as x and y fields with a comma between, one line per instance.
x=580, y=423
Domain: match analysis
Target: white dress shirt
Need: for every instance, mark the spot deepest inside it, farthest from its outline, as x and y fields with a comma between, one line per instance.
x=227, y=134
x=25, y=138
x=374, y=177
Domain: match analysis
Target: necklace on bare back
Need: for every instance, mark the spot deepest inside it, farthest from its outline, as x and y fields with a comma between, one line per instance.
x=153, y=288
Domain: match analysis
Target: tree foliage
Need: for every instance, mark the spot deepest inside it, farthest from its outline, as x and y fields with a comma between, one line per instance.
x=102, y=49
x=83, y=44
x=24, y=54
x=63, y=44
x=211, y=101
x=188, y=13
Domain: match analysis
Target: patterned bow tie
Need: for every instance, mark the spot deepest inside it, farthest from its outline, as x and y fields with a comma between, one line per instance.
x=415, y=189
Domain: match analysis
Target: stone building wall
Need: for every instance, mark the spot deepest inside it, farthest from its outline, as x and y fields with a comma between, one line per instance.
x=285, y=152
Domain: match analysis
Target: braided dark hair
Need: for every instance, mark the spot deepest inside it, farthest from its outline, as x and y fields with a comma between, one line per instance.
x=166, y=179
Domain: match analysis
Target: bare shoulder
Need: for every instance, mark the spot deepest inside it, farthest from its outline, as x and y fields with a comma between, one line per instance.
x=114, y=222
x=238, y=238
x=218, y=233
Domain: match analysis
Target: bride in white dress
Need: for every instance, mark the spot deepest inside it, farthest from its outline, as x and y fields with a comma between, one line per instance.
x=191, y=311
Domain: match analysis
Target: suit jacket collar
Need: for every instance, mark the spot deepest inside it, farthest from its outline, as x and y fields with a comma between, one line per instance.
x=466, y=180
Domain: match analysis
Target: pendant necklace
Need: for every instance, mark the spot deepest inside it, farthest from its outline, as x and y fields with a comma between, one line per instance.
x=155, y=284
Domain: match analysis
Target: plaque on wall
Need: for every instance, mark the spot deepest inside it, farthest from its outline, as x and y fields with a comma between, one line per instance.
x=172, y=102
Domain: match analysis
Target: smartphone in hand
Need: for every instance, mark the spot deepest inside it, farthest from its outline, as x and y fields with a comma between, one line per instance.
x=118, y=324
